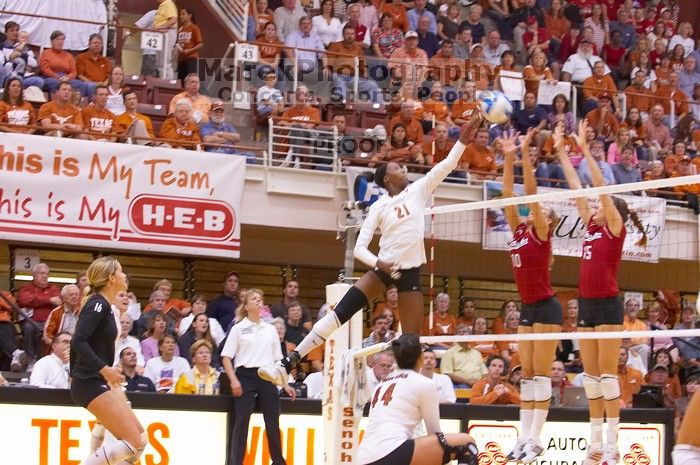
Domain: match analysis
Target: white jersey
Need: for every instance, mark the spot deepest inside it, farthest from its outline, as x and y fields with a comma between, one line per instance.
x=398, y=404
x=401, y=219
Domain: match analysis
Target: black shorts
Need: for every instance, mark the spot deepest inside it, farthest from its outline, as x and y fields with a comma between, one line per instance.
x=603, y=311
x=85, y=390
x=408, y=282
x=402, y=455
x=546, y=312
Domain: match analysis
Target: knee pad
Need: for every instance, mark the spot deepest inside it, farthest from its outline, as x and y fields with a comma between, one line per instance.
x=135, y=454
x=465, y=454
x=543, y=388
x=352, y=302
x=527, y=390
x=97, y=437
x=591, y=384
x=610, y=386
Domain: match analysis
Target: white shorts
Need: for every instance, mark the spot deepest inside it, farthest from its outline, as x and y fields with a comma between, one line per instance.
x=684, y=454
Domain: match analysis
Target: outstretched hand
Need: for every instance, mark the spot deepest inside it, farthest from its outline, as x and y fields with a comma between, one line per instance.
x=467, y=128
x=558, y=135
x=581, y=136
x=509, y=141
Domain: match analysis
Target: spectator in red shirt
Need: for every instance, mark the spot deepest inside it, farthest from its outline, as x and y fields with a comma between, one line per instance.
x=569, y=44
x=614, y=55
x=40, y=297
x=535, y=37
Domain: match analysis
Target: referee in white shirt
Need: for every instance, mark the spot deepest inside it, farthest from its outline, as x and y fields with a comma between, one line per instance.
x=53, y=370
x=250, y=344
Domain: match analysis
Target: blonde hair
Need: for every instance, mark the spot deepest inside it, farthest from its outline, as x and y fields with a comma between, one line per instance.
x=199, y=343
x=98, y=274
x=162, y=282
x=246, y=295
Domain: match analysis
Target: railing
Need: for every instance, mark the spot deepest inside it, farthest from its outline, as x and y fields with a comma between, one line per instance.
x=235, y=13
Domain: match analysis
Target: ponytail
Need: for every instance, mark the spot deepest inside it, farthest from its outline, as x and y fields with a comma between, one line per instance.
x=640, y=227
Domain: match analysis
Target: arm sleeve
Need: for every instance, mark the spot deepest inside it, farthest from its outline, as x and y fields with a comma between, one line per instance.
x=430, y=408
x=440, y=171
x=90, y=318
x=361, y=251
x=231, y=345
x=276, y=347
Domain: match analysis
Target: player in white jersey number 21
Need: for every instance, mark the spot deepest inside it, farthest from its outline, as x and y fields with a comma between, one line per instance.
x=400, y=217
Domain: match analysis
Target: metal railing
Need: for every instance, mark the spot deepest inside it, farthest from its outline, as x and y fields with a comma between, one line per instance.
x=235, y=15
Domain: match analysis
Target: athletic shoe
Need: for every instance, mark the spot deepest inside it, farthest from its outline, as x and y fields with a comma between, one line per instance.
x=594, y=456
x=532, y=449
x=518, y=450
x=19, y=360
x=611, y=455
x=278, y=373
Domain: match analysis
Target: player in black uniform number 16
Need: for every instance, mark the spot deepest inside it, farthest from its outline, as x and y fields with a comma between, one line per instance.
x=96, y=383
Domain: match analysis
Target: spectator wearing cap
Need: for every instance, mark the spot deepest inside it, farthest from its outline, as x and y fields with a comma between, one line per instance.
x=92, y=67
x=341, y=58
x=688, y=76
x=579, y=66
x=494, y=48
x=201, y=104
x=182, y=131
x=427, y=40
x=596, y=85
x=218, y=131
x=535, y=37
x=19, y=58
x=419, y=10
x=475, y=23
x=58, y=65
x=659, y=376
x=408, y=63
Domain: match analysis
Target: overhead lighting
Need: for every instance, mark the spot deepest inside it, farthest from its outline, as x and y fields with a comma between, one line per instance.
x=54, y=279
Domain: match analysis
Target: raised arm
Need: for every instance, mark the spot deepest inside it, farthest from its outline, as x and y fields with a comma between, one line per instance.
x=512, y=215
x=440, y=171
x=530, y=182
x=613, y=219
x=570, y=172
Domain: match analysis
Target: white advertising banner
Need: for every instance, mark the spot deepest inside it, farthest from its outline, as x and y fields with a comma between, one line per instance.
x=568, y=235
x=120, y=196
x=565, y=443
x=48, y=435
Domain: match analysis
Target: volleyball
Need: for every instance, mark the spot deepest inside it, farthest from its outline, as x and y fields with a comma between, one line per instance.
x=495, y=106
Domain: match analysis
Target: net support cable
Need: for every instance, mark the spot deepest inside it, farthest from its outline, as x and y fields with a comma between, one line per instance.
x=566, y=194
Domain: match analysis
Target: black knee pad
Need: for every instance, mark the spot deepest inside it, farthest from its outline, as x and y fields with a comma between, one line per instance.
x=466, y=454
x=352, y=302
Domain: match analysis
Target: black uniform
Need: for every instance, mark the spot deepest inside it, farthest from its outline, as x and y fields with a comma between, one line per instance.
x=92, y=349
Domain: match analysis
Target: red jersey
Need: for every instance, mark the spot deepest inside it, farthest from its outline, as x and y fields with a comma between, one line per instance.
x=600, y=260
x=531, y=259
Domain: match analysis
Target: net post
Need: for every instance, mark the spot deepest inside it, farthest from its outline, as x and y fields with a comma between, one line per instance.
x=338, y=422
